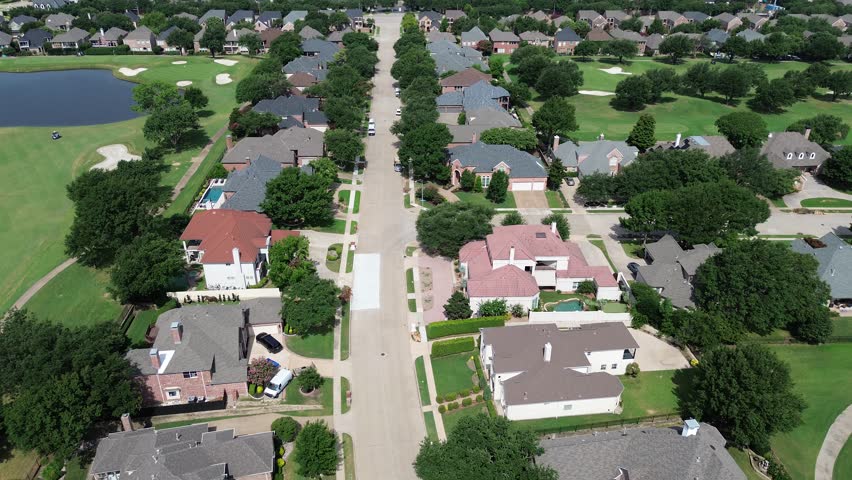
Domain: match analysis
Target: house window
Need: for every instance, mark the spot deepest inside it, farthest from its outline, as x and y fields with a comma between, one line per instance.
x=190, y=374
x=575, y=285
x=813, y=155
x=614, y=366
x=789, y=156
x=528, y=269
x=173, y=393
x=603, y=367
x=485, y=181
x=567, y=406
x=801, y=156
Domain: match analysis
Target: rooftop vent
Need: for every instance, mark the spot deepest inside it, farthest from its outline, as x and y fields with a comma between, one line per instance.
x=540, y=235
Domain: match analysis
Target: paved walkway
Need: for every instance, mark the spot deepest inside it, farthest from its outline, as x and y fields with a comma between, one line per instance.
x=38, y=285
x=196, y=162
x=837, y=436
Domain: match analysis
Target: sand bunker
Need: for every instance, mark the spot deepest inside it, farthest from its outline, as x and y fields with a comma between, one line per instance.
x=114, y=154
x=184, y=83
x=596, y=93
x=223, y=79
x=225, y=62
x=615, y=71
x=179, y=62
x=131, y=72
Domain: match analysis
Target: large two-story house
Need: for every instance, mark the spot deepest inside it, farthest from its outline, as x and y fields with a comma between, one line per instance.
x=525, y=171
x=794, y=150
x=601, y=156
x=672, y=269
x=291, y=147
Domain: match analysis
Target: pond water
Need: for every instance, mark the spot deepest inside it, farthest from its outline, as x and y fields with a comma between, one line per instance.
x=64, y=98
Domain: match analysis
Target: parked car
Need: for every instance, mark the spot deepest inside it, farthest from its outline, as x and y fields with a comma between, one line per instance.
x=633, y=267
x=397, y=167
x=278, y=383
x=398, y=112
x=371, y=131
x=269, y=342
x=569, y=181
x=396, y=91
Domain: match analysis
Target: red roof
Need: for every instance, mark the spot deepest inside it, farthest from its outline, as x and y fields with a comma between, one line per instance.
x=282, y=234
x=530, y=241
x=578, y=267
x=220, y=231
x=465, y=78
x=507, y=281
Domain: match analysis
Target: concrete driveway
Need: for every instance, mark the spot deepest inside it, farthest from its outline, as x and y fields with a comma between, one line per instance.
x=530, y=199
x=288, y=359
x=655, y=354
x=259, y=423
x=441, y=287
x=813, y=188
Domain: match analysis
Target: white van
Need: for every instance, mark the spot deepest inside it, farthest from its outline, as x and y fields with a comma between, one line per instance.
x=278, y=383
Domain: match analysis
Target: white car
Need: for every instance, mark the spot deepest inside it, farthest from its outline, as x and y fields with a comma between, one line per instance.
x=278, y=383
x=372, y=123
x=398, y=112
x=396, y=91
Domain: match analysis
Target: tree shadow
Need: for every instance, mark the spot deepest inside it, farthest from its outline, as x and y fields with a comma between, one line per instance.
x=684, y=387
x=195, y=139
x=205, y=113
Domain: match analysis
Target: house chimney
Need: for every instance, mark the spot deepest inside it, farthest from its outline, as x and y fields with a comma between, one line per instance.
x=553, y=227
x=155, y=358
x=770, y=135
x=177, y=332
x=125, y=422
x=677, y=140
x=555, y=142
x=512, y=255
x=102, y=32
x=807, y=133
x=229, y=143
x=548, y=351
x=690, y=428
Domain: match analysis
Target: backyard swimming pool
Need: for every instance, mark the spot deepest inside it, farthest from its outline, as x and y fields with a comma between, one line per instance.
x=572, y=305
x=213, y=195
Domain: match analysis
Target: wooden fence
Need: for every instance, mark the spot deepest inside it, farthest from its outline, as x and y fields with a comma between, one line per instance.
x=623, y=422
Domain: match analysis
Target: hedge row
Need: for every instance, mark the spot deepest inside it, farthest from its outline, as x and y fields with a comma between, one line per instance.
x=452, y=346
x=458, y=327
x=119, y=50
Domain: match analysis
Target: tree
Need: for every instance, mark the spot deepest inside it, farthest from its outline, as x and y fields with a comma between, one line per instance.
x=649, y=308
x=413, y=64
x=493, y=308
x=252, y=123
x=647, y=213
x=743, y=129
x=316, y=450
x=822, y=46
x=621, y=49
x=555, y=117
x=285, y=48
x=289, y=261
x=642, y=135
x=840, y=83
x=344, y=113
x=560, y=79
x=444, y=229
x=561, y=222
x=802, y=84
x=633, y=24
x=477, y=184
x=656, y=26
x=362, y=59
x=676, y=47
x=196, y=98
x=324, y=168
x=252, y=43
x=748, y=168
x=409, y=23
x=736, y=46
x=285, y=428
x=154, y=96
x=633, y=93
x=747, y=393
x=297, y=199
x=310, y=305
x=587, y=48
x=527, y=51
x=257, y=87
x=530, y=68
x=513, y=218
x=113, y=208
x=825, y=129
x=457, y=306
x=700, y=78
x=837, y=170
x=344, y=146
x=663, y=170
x=732, y=83
x=156, y=21
x=353, y=39
x=773, y=96
x=468, y=179
x=146, y=268
x=597, y=188
x=213, y=38
x=522, y=139
x=750, y=281
x=171, y=124
x=309, y=379
x=555, y=173
x=498, y=187
x=181, y=39
x=482, y=447
x=661, y=80
x=425, y=146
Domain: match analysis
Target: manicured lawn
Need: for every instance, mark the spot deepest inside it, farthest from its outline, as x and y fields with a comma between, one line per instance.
x=843, y=465
x=409, y=251
x=651, y=393
x=343, y=198
x=34, y=171
x=409, y=280
x=357, y=207
x=194, y=187
x=76, y=297
x=334, y=265
x=406, y=201
x=615, y=307
x=821, y=374
x=479, y=199
x=412, y=305
x=842, y=327
x=337, y=226
x=312, y=346
x=554, y=200
x=139, y=325
x=633, y=249
x=344, y=333
x=600, y=244
x=550, y=296
x=16, y=463
x=741, y=457
x=778, y=202
x=451, y=419
x=323, y=399
x=452, y=373
x=348, y=457
x=826, y=203
x=183, y=423
x=344, y=389
x=353, y=228
x=431, y=429
x=350, y=260
x=420, y=368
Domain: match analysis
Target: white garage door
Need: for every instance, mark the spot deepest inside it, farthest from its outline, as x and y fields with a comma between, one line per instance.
x=538, y=186
x=270, y=329
x=522, y=186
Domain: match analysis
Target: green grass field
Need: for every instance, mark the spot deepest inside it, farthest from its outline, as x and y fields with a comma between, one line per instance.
x=452, y=373
x=334, y=265
x=479, y=199
x=34, y=171
x=741, y=457
x=843, y=465
x=452, y=418
x=420, y=368
x=431, y=429
x=826, y=203
x=344, y=389
x=348, y=457
x=76, y=297
x=312, y=346
x=821, y=374
x=323, y=399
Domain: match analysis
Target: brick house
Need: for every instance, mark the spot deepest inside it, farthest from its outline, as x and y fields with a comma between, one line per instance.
x=671, y=19
x=202, y=351
x=565, y=41
x=429, y=20
x=593, y=18
x=503, y=42
x=461, y=80
x=526, y=172
x=729, y=22
x=141, y=40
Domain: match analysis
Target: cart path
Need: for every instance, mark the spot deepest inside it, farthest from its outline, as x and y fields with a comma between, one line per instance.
x=196, y=162
x=837, y=436
x=30, y=293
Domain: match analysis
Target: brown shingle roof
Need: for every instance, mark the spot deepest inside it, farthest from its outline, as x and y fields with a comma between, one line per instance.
x=465, y=78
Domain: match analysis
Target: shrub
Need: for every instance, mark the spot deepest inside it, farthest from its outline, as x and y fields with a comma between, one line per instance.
x=430, y=194
x=458, y=327
x=281, y=463
x=586, y=287
x=476, y=389
x=442, y=408
x=467, y=402
x=452, y=346
x=281, y=451
x=260, y=372
x=491, y=410
x=518, y=310
x=53, y=470
x=632, y=370
x=464, y=393
x=449, y=397
x=309, y=379
x=286, y=429
x=479, y=398
x=453, y=405
x=439, y=399
x=493, y=308
x=251, y=389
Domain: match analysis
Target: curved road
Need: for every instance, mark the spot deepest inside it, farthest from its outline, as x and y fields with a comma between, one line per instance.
x=837, y=436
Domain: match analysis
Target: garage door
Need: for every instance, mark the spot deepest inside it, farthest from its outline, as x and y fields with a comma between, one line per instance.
x=538, y=186
x=270, y=329
x=522, y=186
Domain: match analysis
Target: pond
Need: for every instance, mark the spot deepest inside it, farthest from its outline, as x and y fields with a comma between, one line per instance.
x=64, y=98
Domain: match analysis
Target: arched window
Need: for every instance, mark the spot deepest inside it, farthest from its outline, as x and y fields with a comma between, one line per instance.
x=789, y=156
x=801, y=156
x=813, y=155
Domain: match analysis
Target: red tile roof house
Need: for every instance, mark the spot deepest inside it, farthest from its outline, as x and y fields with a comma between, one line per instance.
x=232, y=246
x=516, y=261
x=202, y=351
x=503, y=42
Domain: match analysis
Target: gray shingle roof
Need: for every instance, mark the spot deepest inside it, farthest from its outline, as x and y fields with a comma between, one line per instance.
x=672, y=268
x=450, y=57
x=220, y=14
x=436, y=36
x=56, y=20
x=492, y=117
x=473, y=35
x=320, y=47
x=835, y=263
x=306, y=64
x=248, y=186
x=73, y=35
x=112, y=35
x=5, y=39
x=479, y=95
x=282, y=147
x=501, y=36
x=268, y=16
x=23, y=19
x=309, y=32
x=241, y=15
x=567, y=35
x=713, y=145
x=641, y=453
x=141, y=33
x=750, y=35
x=594, y=157
x=295, y=15
x=485, y=158
x=432, y=15
x=287, y=106
x=37, y=37
x=783, y=149
x=696, y=17
x=717, y=36
x=620, y=34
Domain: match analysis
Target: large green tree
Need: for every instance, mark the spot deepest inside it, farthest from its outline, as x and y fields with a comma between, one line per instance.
x=621, y=49
x=482, y=447
x=498, y=187
x=642, y=135
x=743, y=129
x=633, y=93
x=530, y=68
x=213, y=38
x=155, y=95
x=749, y=169
x=145, y=268
x=260, y=86
x=310, y=305
x=425, y=147
x=252, y=43
x=561, y=79
x=676, y=47
x=747, y=393
x=289, y=261
x=826, y=130
x=297, y=199
x=555, y=117
x=647, y=212
x=170, y=124
x=444, y=229
x=733, y=82
x=522, y=139
x=344, y=147
x=316, y=450
x=562, y=225
x=700, y=78
x=838, y=169
x=457, y=306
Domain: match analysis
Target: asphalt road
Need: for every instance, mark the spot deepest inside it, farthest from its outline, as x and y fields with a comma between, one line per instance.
x=388, y=423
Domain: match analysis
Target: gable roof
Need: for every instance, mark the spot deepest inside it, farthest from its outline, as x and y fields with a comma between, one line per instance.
x=220, y=14
x=236, y=34
x=616, y=14
x=620, y=34
x=284, y=147
x=567, y=35
x=294, y=15
x=598, y=35
x=164, y=35
x=301, y=79
x=589, y=15
x=188, y=16
x=306, y=63
x=246, y=189
x=653, y=41
x=781, y=145
x=593, y=157
x=465, y=78
x=337, y=35
x=267, y=17
x=479, y=95
x=750, y=35
x=835, y=262
x=141, y=33
x=321, y=47
x=533, y=36
x=491, y=116
x=436, y=36
x=697, y=17
x=56, y=20
x=501, y=36
x=669, y=15
x=718, y=36
x=450, y=57
x=484, y=158
x=287, y=106
x=241, y=15
x=353, y=13
x=431, y=15
x=475, y=34
x=5, y=39
x=454, y=14
x=714, y=145
x=671, y=266
x=37, y=36
x=308, y=32
x=73, y=35
x=114, y=34
x=23, y=20
x=220, y=231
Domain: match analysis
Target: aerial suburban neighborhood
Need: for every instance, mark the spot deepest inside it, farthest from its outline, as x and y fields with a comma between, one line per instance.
x=424, y=239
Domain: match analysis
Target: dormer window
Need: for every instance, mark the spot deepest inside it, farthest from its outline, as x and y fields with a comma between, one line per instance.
x=789, y=156
x=801, y=156
x=813, y=155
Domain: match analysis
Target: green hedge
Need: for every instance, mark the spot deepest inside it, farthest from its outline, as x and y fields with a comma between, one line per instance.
x=459, y=327
x=119, y=50
x=452, y=346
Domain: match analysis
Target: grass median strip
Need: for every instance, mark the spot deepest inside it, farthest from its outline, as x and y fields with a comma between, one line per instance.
x=600, y=245
x=420, y=368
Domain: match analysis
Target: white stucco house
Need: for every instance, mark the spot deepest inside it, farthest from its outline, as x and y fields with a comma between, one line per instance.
x=516, y=261
x=539, y=371
x=232, y=246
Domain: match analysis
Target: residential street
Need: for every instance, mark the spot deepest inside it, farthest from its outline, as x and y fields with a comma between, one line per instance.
x=388, y=423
